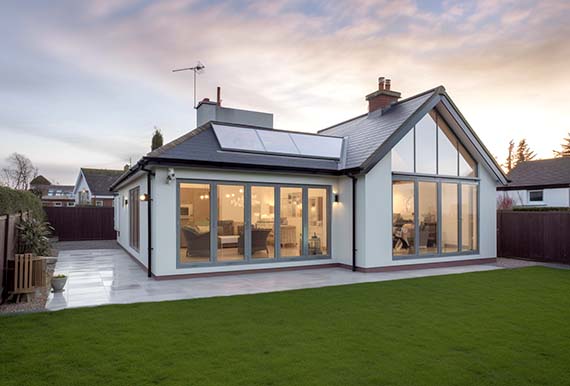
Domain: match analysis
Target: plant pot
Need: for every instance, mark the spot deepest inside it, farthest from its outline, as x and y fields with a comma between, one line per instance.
x=57, y=283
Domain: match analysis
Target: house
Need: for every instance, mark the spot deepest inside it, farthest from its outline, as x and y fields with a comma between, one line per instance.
x=543, y=182
x=407, y=184
x=92, y=186
x=52, y=195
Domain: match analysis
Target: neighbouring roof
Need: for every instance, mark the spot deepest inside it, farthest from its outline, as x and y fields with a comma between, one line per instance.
x=540, y=173
x=39, y=180
x=366, y=139
x=100, y=180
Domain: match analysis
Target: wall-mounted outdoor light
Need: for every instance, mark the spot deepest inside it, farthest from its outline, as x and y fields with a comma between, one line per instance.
x=171, y=176
x=336, y=199
x=144, y=197
x=126, y=202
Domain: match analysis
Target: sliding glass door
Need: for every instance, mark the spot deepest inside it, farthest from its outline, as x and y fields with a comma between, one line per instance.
x=253, y=222
x=262, y=222
x=231, y=223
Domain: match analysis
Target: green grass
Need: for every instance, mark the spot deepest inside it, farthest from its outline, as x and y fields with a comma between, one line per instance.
x=507, y=327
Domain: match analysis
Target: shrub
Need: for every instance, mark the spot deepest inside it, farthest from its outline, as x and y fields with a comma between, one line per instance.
x=541, y=208
x=15, y=201
x=33, y=237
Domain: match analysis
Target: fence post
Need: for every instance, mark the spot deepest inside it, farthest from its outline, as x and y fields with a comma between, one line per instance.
x=5, y=257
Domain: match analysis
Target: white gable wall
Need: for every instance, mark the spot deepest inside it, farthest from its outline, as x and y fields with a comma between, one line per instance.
x=374, y=225
x=80, y=185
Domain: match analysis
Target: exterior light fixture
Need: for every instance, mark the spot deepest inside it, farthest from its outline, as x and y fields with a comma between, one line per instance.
x=336, y=198
x=126, y=201
x=144, y=197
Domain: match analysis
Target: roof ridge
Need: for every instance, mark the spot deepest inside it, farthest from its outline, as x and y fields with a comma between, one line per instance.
x=440, y=89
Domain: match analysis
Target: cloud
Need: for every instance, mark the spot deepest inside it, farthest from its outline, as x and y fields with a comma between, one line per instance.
x=311, y=63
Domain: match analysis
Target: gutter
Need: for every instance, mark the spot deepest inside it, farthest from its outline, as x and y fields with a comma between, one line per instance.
x=149, y=174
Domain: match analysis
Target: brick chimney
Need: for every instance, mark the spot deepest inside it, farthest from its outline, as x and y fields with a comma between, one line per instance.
x=382, y=98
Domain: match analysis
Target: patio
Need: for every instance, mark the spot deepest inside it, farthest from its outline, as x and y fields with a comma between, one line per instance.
x=110, y=276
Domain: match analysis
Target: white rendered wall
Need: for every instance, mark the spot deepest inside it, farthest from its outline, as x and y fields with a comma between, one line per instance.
x=377, y=221
x=164, y=220
x=80, y=186
x=551, y=197
x=123, y=220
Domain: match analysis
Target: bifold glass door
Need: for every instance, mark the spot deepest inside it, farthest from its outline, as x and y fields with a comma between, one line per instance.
x=253, y=222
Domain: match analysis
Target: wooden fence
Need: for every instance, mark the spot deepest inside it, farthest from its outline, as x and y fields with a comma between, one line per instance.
x=541, y=236
x=82, y=223
x=8, y=243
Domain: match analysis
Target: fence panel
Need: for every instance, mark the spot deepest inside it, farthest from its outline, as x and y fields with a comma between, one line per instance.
x=541, y=236
x=82, y=223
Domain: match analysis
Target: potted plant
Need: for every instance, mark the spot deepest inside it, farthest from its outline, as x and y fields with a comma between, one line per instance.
x=58, y=282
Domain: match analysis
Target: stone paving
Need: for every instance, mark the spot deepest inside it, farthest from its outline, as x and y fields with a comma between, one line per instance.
x=110, y=276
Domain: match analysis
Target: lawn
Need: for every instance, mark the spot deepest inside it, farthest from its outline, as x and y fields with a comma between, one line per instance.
x=506, y=327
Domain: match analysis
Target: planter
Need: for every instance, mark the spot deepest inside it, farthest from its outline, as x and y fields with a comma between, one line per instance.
x=57, y=283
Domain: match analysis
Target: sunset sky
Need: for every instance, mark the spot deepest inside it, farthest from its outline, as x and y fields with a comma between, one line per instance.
x=84, y=83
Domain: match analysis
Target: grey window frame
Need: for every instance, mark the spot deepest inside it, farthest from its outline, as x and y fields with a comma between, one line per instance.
x=458, y=143
x=415, y=178
x=247, y=222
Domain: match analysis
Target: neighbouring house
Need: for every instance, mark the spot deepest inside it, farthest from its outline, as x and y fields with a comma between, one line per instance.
x=92, y=186
x=52, y=195
x=407, y=184
x=544, y=182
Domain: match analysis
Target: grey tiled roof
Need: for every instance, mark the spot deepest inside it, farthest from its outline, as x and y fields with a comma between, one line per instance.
x=554, y=171
x=368, y=132
x=100, y=180
x=363, y=136
x=201, y=145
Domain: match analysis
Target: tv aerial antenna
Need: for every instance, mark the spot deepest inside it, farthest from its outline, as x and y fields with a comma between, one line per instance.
x=197, y=69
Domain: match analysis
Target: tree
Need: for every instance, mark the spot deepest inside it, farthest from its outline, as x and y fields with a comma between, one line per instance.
x=511, y=157
x=523, y=152
x=565, y=151
x=19, y=172
x=157, y=139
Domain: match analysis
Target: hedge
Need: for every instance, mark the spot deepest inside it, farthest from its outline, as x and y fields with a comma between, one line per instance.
x=541, y=208
x=15, y=201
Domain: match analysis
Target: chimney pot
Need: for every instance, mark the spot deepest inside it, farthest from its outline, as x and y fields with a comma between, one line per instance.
x=219, y=98
x=381, y=83
x=388, y=84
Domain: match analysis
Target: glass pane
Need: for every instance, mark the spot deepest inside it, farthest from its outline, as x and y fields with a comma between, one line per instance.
x=262, y=222
x=318, y=238
x=231, y=240
x=291, y=221
x=277, y=142
x=318, y=146
x=425, y=145
x=469, y=217
x=449, y=218
x=403, y=154
x=194, y=223
x=467, y=165
x=447, y=149
x=427, y=201
x=403, y=220
x=237, y=138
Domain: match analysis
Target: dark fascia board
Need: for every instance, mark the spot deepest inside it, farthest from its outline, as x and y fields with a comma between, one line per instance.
x=408, y=124
x=232, y=166
x=474, y=138
x=532, y=187
x=166, y=162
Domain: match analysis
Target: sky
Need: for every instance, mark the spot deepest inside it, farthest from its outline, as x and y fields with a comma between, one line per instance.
x=83, y=84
